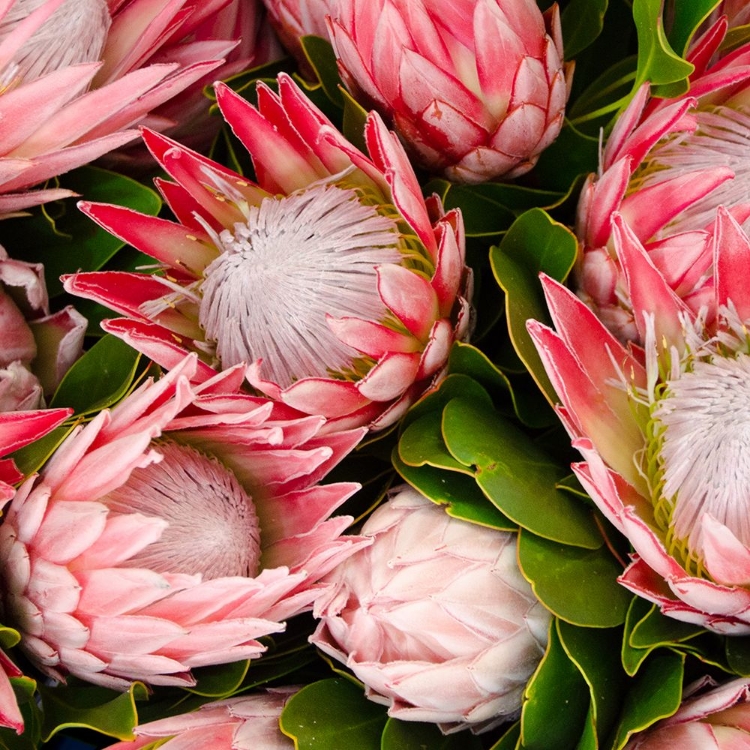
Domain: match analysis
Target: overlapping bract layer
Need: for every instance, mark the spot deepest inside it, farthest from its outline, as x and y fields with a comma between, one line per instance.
x=664, y=431
x=102, y=555
x=331, y=277
x=667, y=166
x=435, y=617
x=476, y=89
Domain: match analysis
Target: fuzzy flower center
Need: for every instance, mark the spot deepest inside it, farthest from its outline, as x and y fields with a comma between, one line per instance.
x=705, y=446
x=297, y=260
x=213, y=527
x=75, y=33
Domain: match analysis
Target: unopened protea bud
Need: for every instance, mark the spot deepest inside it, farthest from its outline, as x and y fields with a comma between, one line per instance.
x=435, y=617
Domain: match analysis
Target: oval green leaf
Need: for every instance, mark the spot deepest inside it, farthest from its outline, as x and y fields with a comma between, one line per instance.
x=413, y=735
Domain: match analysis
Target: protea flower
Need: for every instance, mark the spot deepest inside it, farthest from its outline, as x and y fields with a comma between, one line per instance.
x=435, y=617
x=718, y=719
x=36, y=347
x=477, y=89
x=666, y=439
x=667, y=166
x=248, y=722
x=331, y=277
x=50, y=52
x=171, y=532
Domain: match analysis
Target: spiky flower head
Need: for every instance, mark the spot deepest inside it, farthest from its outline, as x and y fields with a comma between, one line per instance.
x=172, y=532
x=435, y=617
x=666, y=437
x=331, y=277
x=666, y=167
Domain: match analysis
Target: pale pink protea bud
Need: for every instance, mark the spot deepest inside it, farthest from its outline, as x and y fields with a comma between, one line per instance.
x=667, y=166
x=245, y=723
x=36, y=348
x=331, y=277
x=718, y=719
x=665, y=431
x=97, y=78
x=172, y=532
x=435, y=617
x=476, y=89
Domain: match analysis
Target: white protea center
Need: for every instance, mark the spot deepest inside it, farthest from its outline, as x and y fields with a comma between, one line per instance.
x=75, y=33
x=212, y=524
x=722, y=138
x=704, y=417
x=297, y=260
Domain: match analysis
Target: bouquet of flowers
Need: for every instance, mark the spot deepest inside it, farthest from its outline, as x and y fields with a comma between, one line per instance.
x=374, y=374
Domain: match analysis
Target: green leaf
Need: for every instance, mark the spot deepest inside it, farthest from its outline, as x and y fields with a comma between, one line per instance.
x=355, y=116
x=510, y=739
x=468, y=360
x=32, y=457
x=72, y=241
x=9, y=637
x=323, y=60
x=220, y=680
x=738, y=655
x=557, y=701
x=422, y=444
x=582, y=22
x=88, y=707
x=333, y=713
x=533, y=244
x=657, y=61
x=516, y=475
x=655, y=693
x=578, y=585
x=686, y=18
x=100, y=378
x=412, y=735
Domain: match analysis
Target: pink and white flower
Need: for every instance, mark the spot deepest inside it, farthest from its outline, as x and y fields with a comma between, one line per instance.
x=172, y=532
x=331, y=276
x=476, y=90
x=435, y=617
x=667, y=166
x=664, y=431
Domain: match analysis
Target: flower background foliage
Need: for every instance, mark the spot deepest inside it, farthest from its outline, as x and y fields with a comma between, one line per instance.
x=484, y=442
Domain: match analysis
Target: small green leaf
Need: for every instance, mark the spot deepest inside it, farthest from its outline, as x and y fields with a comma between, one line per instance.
x=422, y=444
x=220, y=680
x=578, y=585
x=557, y=701
x=323, y=60
x=533, y=244
x=333, y=713
x=9, y=637
x=466, y=359
x=516, y=475
x=100, y=378
x=582, y=22
x=89, y=707
x=412, y=735
x=655, y=693
x=686, y=18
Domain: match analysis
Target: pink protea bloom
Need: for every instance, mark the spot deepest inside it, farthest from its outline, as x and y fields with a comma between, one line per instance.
x=36, y=348
x=476, y=89
x=435, y=617
x=172, y=532
x=96, y=76
x=248, y=722
x=667, y=166
x=718, y=719
x=665, y=435
x=331, y=277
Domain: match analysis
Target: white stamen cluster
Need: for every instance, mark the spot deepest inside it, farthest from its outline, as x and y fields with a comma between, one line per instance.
x=297, y=260
x=704, y=417
x=212, y=525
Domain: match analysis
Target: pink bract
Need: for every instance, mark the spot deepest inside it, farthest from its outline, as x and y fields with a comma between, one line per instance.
x=664, y=429
x=477, y=89
x=331, y=277
x=172, y=532
x=666, y=167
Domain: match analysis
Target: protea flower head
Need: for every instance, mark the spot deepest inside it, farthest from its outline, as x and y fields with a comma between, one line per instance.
x=331, y=277
x=667, y=166
x=249, y=722
x=36, y=347
x=717, y=719
x=97, y=74
x=171, y=532
x=477, y=89
x=665, y=436
x=435, y=617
